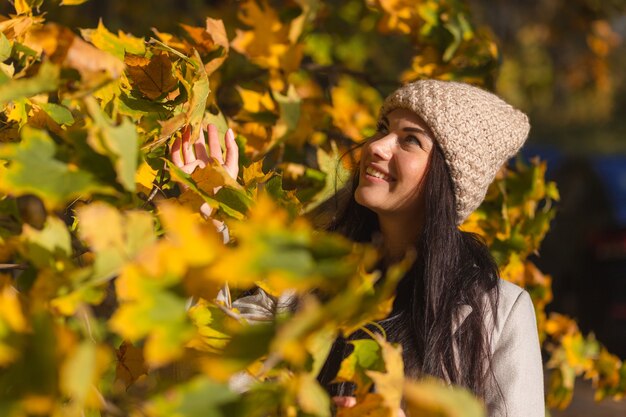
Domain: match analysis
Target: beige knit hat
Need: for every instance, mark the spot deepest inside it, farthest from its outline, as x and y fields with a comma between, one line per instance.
x=476, y=130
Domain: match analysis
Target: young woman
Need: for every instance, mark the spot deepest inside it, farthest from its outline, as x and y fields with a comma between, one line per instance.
x=437, y=148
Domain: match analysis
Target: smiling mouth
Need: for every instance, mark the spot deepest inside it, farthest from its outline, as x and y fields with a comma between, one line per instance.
x=373, y=172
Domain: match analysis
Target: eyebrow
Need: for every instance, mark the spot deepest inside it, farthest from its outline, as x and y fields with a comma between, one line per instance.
x=409, y=129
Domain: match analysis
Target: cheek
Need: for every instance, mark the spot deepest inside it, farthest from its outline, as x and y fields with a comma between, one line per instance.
x=414, y=174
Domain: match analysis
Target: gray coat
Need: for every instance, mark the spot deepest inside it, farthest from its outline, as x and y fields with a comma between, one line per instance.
x=515, y=347
x=516, y=354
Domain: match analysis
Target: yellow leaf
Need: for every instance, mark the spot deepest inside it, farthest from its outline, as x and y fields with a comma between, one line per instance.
x=431, y=398
x=72, y=2
x=81, y=372
x=576, y=351
x=559, y=325
x=268, y=40
x=255, y=102
x=311, y=397
x=11, y=308
x=354, y=108
x=144, y=177
x=253, y=174
x=389, y=383
x=399, y=15
x=22, y=7
x=67, y=304
x=193, y=241
x=69, y=50
x=209, y=39
x=92, y=218
x=38, y=404
x=208, y=338
x=514, y=270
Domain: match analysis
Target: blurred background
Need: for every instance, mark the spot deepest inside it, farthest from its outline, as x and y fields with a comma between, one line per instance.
x=562, y=62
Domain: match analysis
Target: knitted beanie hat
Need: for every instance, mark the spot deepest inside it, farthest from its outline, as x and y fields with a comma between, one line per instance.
x=476, y=130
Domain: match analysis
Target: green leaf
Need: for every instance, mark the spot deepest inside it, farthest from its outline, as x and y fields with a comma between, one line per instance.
x=116, y=45
x=119, y=143
x=78, y=372
x=312, y=398
x=235, y=199
x=6, y=73
x=137, y=108
x=46, y=80
x=457, y=37
x=33, y=169
x=5, y=48
x=337, y=175
x=45, y=247
x=289, y=106
x=58, y=113
x=198, y=96
x=367, y=355
x=199, y=397
x=159, y=315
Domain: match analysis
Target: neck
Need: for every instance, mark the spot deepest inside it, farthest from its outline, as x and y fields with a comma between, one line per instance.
x=399, y=235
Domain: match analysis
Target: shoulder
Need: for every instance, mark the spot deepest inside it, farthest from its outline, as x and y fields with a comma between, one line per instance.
x=515, y=310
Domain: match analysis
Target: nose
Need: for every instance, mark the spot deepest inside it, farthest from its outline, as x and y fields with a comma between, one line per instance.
x=383, y=147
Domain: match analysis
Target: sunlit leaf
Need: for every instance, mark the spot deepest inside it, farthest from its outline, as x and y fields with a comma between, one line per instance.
x=433, y=399
x=117, y=45
x=58, y=113
x=367, y=355
x=46, y=80
x=34, y=170
x=197, y=398
x=72, y=2
x=119, y=143
x=5, y=48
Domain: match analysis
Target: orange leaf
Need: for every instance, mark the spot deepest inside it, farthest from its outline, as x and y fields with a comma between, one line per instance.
x=153, y=77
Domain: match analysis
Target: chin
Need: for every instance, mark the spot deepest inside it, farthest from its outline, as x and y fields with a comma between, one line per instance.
x=362, y=198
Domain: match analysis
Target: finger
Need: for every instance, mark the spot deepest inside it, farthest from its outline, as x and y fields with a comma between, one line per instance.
x=215, y=150
x=344, y=401
x=200, y=148
x=191, y=167
x=232, y=154
x=175, y=153
x=188, y=154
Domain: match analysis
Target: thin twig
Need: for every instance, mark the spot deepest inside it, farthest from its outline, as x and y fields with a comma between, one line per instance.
x=13, y=266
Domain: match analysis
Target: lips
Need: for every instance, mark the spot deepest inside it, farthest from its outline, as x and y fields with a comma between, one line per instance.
x=376, y=172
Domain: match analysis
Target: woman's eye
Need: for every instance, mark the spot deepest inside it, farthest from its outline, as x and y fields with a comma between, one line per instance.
x=413, y=140
x=380, y=127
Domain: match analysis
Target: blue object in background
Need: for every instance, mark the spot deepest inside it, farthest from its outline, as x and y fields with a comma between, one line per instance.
x=612, y=171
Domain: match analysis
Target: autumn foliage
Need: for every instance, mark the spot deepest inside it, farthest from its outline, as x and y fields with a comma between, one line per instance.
x=110, y=274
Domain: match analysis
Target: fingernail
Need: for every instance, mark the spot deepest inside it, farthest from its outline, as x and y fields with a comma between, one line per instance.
x=230, y=133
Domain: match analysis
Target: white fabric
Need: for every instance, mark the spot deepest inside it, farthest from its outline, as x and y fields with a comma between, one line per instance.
x=516, y=361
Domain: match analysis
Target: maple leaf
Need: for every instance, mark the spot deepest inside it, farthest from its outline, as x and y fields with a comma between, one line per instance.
x=152, y=76
x=34, y=170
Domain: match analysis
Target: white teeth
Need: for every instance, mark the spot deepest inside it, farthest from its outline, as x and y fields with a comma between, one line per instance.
x=375, y=173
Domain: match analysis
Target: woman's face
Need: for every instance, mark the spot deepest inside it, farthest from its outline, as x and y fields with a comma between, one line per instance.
x=393, y=164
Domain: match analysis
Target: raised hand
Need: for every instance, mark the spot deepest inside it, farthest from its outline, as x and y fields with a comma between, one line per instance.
x=189, y=154
x=194, y=151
